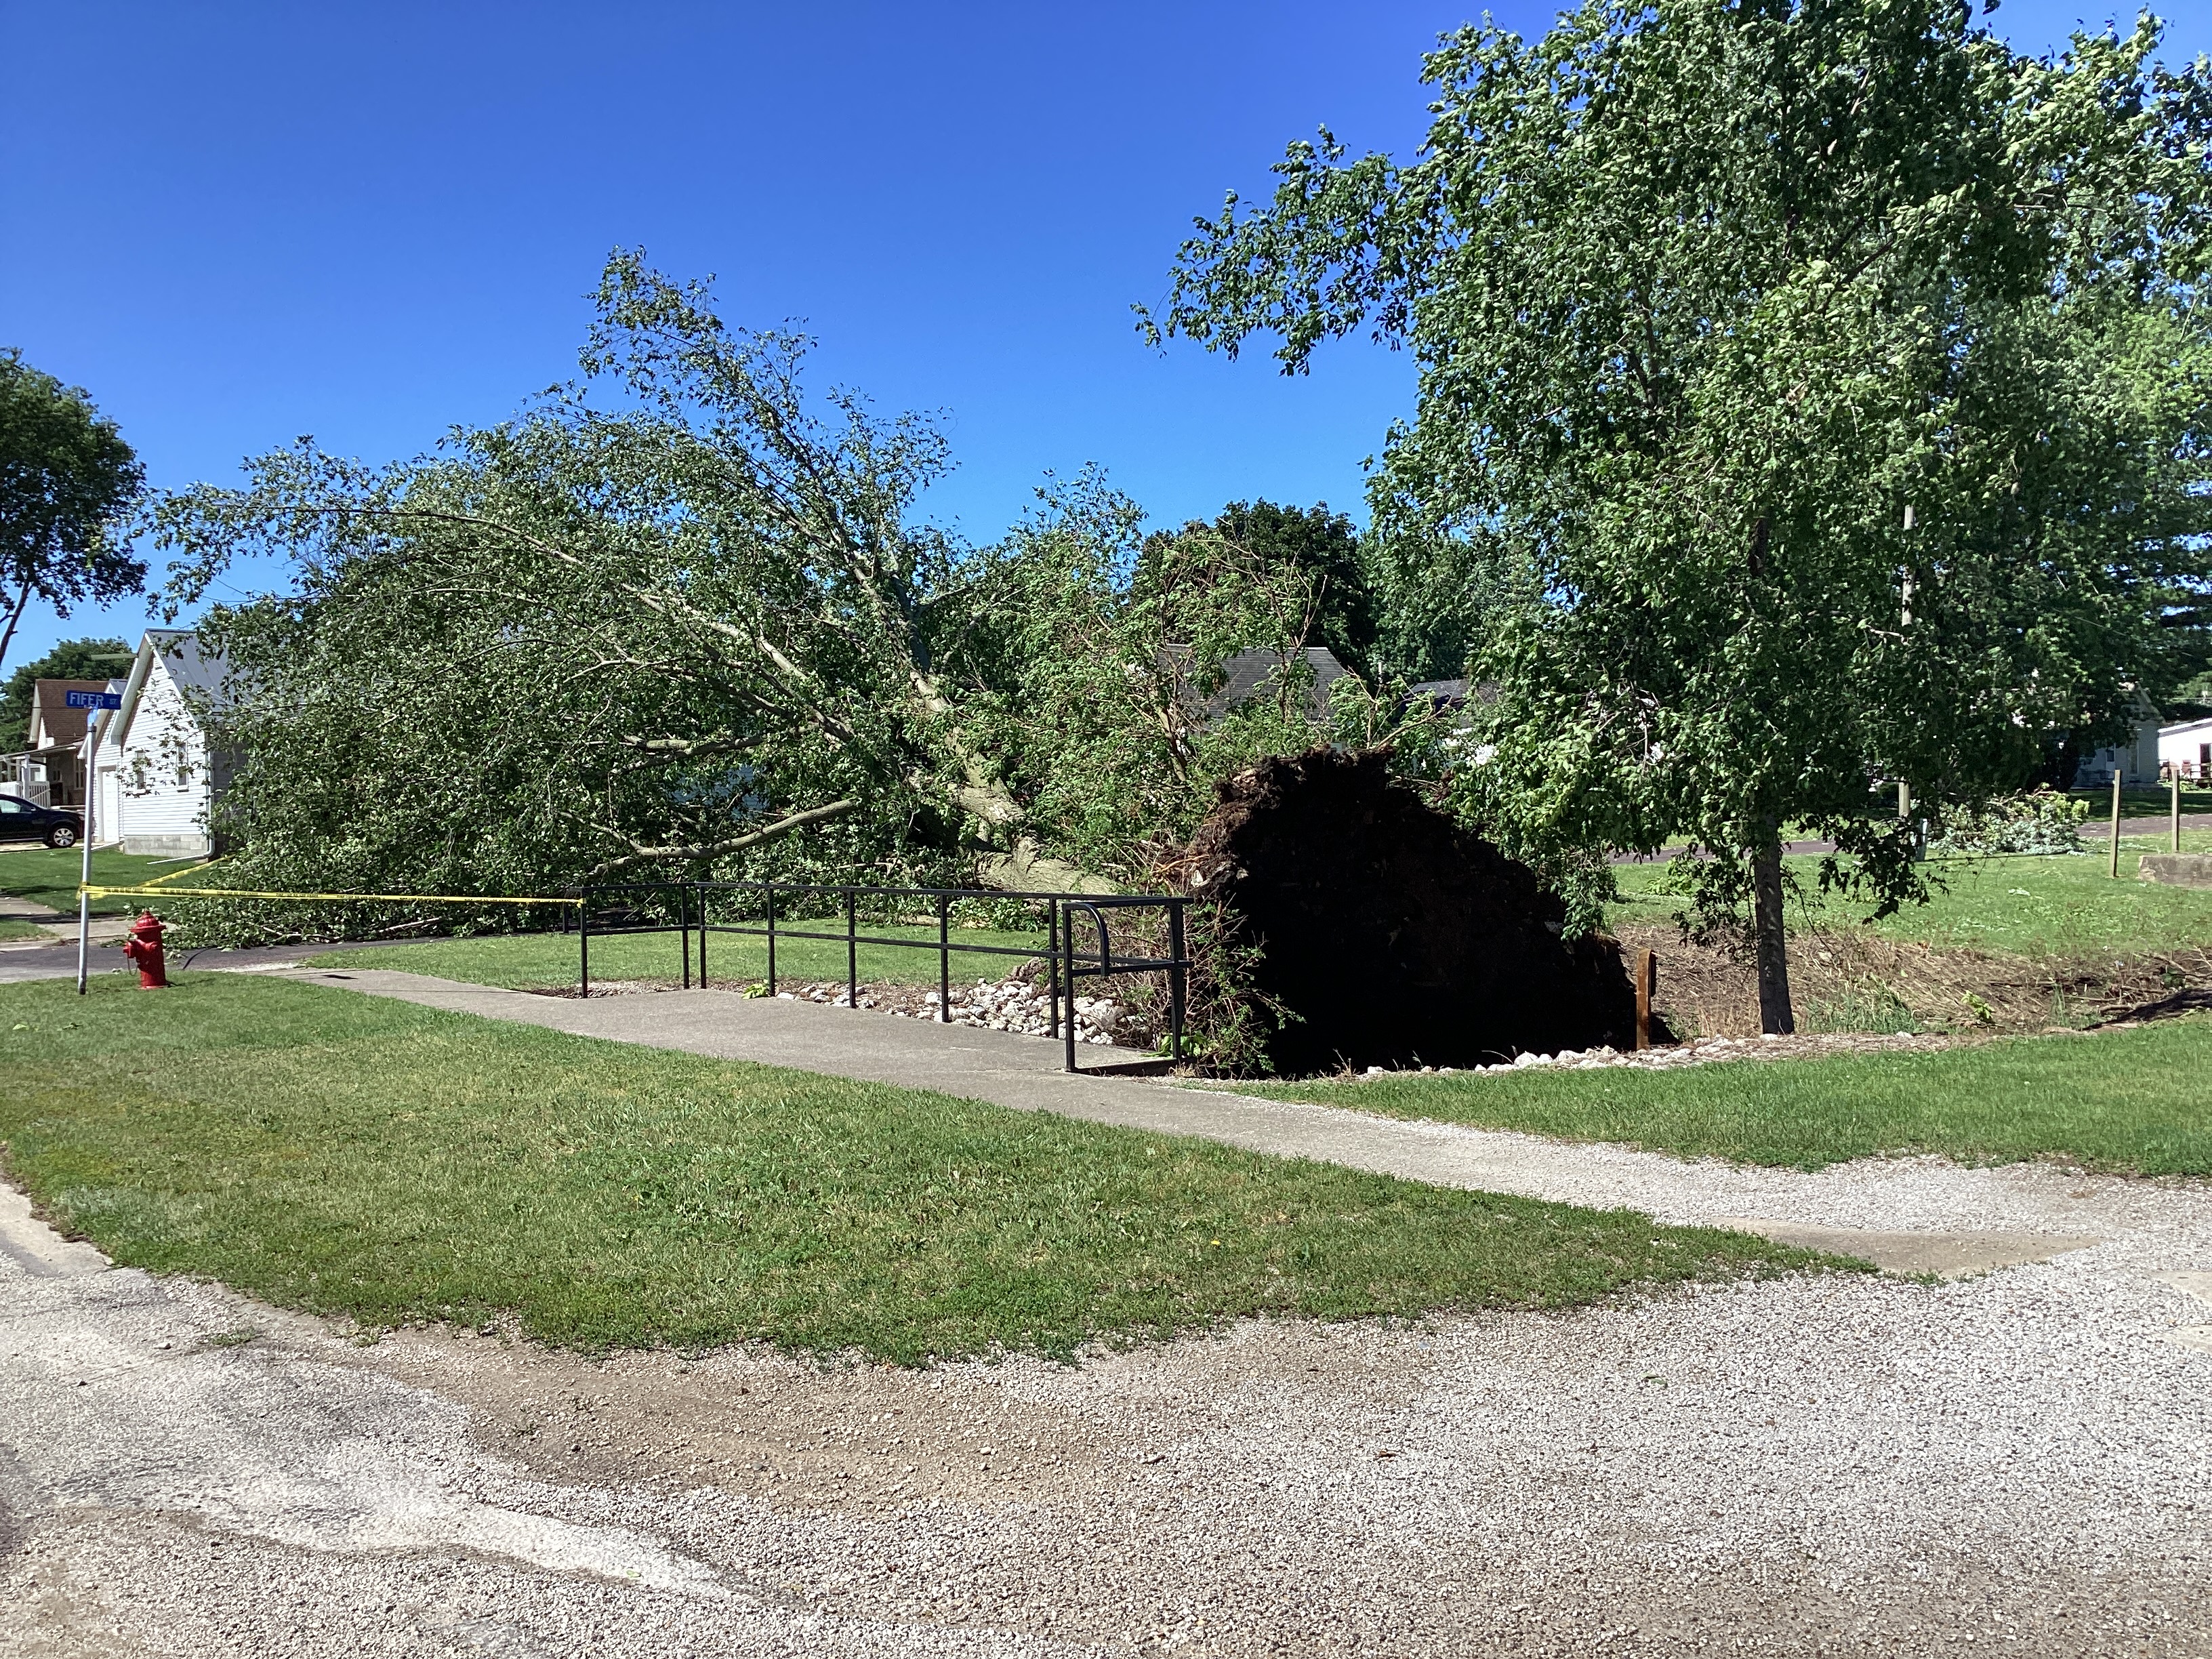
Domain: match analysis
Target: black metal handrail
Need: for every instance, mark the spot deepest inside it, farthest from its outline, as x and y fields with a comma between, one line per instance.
x=1064, y=964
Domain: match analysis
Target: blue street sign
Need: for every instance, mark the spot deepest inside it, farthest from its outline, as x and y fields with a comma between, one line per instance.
x=93, y=699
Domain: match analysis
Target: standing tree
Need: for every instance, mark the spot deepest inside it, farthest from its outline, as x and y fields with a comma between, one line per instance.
x=66, y=477
x=1817, y=390
x=1325, y=547
x=72, y=659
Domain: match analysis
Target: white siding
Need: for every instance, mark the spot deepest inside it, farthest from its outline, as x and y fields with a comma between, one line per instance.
x=2188, y=746
x=2137, y=760
x=160, y=774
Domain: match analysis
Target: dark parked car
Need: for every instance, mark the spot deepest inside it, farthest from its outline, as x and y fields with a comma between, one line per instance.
x=21, y=820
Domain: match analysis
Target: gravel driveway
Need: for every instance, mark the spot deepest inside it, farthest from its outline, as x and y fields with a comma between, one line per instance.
x=2020, y=1461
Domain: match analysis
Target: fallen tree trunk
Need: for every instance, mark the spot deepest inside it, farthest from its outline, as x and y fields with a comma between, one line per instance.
x=1378, y=932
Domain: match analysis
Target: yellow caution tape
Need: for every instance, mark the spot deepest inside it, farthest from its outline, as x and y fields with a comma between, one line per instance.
x=237, y=892
x=178, y=875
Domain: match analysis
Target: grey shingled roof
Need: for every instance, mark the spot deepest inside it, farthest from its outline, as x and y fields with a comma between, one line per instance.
x=191, y=668
x=1247, y=674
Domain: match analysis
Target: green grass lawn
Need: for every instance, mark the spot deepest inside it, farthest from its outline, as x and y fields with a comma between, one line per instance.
x=49, y=876
x=2136, y=1102
x=535, y=959
x=10, y=931
x=353, y=1156
x=2062, y=905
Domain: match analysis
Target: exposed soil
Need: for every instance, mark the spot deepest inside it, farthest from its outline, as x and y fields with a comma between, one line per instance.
x=1852, y=979
x=1385, y=934
x=830, y=1438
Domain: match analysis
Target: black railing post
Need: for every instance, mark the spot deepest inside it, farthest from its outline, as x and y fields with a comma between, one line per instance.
x=1177, y=984
x=1067, y=948
x=1064, y=966
x=944, y=959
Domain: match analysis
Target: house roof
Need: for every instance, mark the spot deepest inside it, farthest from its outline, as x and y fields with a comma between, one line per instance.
x=192, y=669
x=57, y=725
x=1247, y=674
x=187, y=666
x=2185, y=726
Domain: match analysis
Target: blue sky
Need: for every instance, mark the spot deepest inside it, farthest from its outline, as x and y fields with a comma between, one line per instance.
x=236, y=223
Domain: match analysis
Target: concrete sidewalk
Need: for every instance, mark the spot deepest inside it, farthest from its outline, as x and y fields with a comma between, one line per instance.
x=1914, y=1216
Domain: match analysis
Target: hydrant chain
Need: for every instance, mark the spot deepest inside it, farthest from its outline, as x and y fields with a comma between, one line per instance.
x=143, y=950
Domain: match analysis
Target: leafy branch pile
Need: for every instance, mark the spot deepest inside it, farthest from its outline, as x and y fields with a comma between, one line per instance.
x=673, y=622
x=2041, y=821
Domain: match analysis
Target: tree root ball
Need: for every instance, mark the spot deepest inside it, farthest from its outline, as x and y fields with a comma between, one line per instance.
x=1385, y=934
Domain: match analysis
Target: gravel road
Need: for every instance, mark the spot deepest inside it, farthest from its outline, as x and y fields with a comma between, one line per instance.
x=2018, y=1462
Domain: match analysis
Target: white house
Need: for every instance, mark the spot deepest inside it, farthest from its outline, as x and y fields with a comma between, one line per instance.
x=2138, y=759
x=158, y=778
x=2187, y=748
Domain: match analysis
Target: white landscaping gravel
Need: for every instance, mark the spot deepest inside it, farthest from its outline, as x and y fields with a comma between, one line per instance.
x=1698, y=1051
x=2018, y=1463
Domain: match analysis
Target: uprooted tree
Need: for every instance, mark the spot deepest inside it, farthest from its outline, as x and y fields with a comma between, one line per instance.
x=672, y=621
x=1813, y=393
x=1373, y=929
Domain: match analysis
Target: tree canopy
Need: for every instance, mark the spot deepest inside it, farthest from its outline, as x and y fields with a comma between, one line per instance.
x=678, y=616
x=1319, y=552
x=71, y=659
x=1813, y=394
x=67, y=480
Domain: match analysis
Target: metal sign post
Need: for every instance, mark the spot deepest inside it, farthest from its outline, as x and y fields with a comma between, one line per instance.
x=93, y=727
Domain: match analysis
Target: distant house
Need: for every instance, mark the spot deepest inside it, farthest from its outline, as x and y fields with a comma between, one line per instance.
x=50, y=767
x=1446, y=694
x=159, y=778
x=1249, y=675
x=2186, y=748
x=2136, y=760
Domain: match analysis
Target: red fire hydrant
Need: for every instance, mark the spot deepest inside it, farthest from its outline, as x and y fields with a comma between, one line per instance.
x=143, y=950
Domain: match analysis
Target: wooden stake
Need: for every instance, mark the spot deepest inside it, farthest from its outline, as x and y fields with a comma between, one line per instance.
x=2116, y=823
x=1647, y=987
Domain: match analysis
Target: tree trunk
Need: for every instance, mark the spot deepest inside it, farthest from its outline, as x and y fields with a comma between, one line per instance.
x=15, y=615
x=1774, y=1014
x=1028, y=870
